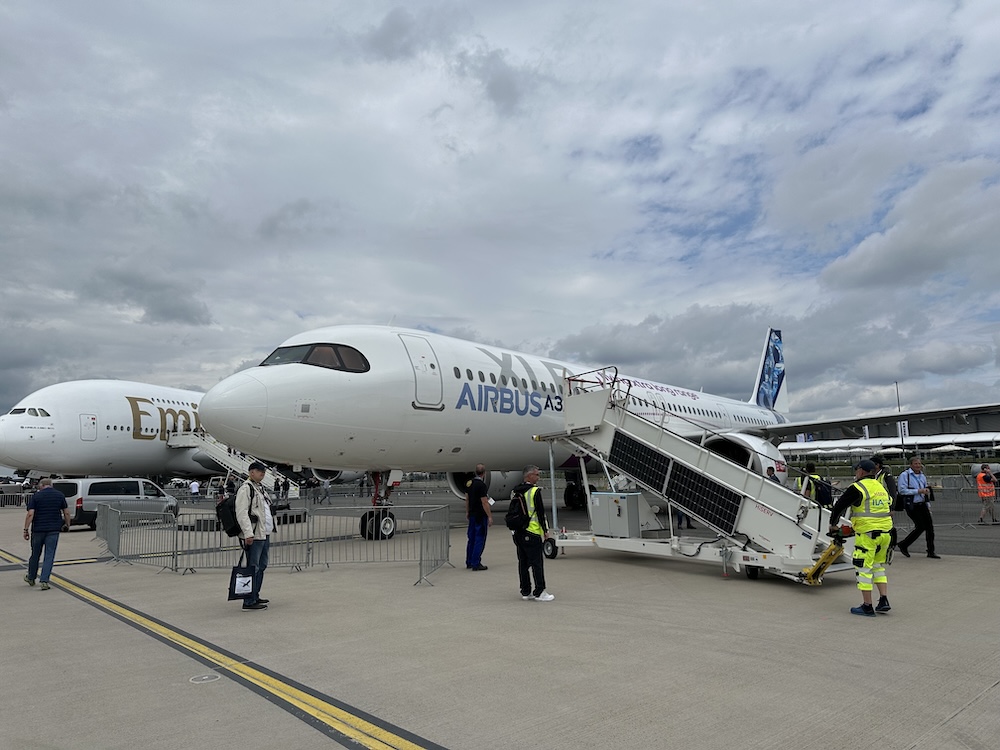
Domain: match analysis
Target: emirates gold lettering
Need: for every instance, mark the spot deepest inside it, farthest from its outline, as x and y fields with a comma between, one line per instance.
x=150, y=422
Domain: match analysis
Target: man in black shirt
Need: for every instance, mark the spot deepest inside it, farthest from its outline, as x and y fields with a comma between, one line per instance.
x=48, y=514
x=480, y=517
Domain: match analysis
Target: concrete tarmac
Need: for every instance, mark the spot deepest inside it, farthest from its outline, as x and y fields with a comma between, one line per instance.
x=633, y=653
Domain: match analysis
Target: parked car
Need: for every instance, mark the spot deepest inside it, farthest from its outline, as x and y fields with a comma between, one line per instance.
x=125, y=493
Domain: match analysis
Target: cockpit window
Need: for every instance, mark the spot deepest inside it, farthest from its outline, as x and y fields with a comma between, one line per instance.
x=32, y=412
x=19, y=410
x=333, y=356
x=287, y=355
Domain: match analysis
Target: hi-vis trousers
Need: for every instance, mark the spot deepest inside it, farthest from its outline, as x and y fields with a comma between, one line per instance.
x=869, y=558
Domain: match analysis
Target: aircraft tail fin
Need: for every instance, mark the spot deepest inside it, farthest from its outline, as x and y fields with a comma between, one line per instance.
x=768, y=392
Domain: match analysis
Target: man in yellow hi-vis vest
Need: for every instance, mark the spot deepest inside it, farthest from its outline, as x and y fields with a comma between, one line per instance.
x=872, y=519
x=530, y=542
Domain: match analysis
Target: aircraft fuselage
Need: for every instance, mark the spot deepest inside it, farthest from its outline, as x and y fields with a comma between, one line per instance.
x=420, y=402
x=101, y=427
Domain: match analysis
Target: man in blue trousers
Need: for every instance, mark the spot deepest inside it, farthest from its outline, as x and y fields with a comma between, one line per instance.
x=480, y=515
x=48, y=514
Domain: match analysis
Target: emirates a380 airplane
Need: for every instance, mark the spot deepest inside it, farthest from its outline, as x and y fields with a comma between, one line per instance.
x=109, y=428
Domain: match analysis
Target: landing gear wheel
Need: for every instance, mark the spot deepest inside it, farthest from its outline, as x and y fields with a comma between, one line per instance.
x=367, y=528
x=386, y=525
x=753, y=572
x=549, y=549
x=378, y=524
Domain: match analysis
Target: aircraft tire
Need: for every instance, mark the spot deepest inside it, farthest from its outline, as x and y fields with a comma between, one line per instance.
x=385, y=526
x=549, y=549
x=367, y=527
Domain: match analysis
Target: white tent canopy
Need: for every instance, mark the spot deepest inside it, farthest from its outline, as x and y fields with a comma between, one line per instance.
x=950, y=448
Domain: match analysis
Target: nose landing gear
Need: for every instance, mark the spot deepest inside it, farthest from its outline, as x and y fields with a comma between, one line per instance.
x=380, y=523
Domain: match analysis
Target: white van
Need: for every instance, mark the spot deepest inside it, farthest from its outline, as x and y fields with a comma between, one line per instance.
x=125, y=493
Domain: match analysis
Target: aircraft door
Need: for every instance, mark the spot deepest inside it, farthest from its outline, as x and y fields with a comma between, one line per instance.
x=88, y=427
x=429, y=390
x=725, y=420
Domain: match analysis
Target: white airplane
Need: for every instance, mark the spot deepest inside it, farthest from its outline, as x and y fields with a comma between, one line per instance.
x=390, y=400
x=109, y=427
x=104, y=427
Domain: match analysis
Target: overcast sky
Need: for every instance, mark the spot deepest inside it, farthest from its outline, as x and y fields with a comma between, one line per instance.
x=185, y=185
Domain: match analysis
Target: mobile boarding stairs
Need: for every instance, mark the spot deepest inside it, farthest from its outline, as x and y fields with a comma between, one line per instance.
x=233, y=462
x=759, y=525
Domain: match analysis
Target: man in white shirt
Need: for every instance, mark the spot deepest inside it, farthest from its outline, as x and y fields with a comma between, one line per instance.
x=253, y=512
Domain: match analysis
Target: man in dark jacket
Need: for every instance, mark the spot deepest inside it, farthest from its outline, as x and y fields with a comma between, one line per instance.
x=530, y=542
x=48, y=514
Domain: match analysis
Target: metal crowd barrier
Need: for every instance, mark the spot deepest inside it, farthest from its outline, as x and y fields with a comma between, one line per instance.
x=14, y=498
x=957, y=507
x=303, y=538
x=434, y=541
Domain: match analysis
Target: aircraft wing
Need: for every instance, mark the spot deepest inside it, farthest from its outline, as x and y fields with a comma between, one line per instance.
x=852, y=427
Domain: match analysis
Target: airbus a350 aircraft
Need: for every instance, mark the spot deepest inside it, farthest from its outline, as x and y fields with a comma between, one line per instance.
x=389, y=400
x=108, y=427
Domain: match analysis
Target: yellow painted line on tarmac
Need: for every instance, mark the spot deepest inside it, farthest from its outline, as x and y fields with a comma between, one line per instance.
x=323, y=711
x=20, y=560
x=359, y=730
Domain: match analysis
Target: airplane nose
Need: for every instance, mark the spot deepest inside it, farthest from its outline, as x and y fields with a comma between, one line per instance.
x=234, y=411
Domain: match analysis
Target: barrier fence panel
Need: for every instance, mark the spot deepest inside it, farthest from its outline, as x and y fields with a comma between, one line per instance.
x=364, y=534
x=435, y=541
x=148, y=538
x=953, y=506
x=16, y=499
x=290, y=539
x=201, y=544
x=302, y=537
x=109, y=526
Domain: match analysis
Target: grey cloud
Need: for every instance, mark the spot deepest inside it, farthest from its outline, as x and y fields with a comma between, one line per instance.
x=945, y=223
x=942, y=358
x=402, y=34
x=712, y=347
x=503, y=83
x=162, y=299
x=296, y=220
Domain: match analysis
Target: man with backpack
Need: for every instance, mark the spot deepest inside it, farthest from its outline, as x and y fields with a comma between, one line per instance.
x=253, y=512
x=812, y=487
x=526, y=500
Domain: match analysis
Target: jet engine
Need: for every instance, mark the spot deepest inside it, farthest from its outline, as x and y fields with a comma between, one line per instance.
x=498, y=483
